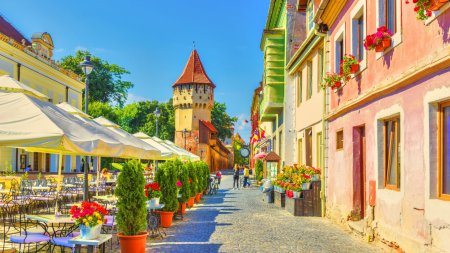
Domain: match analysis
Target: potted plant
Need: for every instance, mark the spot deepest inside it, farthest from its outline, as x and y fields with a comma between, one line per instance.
x=132, y=208
x=315, y=175
x=380, y=41
x=423, y=8
x=193, y=182
x=90, y=217
x=153, y=193
x=306, y=181
x=167, y=178
x=333, y=80
x=183, y=177
x=349, y=64
x=297, y=189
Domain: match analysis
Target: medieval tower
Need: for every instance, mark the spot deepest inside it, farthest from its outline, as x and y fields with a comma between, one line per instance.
x=193, y=99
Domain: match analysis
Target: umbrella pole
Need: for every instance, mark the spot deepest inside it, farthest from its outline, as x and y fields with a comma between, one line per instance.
x=98, y=174
x=86, y=179
x=58, y=181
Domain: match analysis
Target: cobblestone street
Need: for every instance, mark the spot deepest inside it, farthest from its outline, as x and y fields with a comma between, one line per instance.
x=239, y=221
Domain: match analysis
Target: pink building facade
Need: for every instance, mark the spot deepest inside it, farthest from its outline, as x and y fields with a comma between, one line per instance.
x=388, y=128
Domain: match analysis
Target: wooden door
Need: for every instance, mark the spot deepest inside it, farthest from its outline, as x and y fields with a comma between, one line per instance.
x=359, y=170
x=308, y=151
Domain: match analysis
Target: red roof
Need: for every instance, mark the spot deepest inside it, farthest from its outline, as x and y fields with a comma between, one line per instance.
x=193, y=72
x=209, y=125
x=7, y=29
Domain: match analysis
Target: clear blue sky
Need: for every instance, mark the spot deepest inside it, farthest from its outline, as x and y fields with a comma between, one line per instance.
x=153, y=39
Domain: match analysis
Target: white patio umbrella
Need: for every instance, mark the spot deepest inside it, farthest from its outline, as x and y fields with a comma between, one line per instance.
x=191, y=156
x=166, y=153
x=150, y=152
x=9, y=84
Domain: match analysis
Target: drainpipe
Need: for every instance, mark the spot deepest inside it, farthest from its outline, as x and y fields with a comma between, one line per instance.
x=324, y=133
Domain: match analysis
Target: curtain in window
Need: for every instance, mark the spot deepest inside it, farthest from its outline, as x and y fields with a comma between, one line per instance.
x=391, y=150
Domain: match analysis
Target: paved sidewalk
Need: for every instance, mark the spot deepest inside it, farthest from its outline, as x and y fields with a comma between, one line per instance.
x=239, y=221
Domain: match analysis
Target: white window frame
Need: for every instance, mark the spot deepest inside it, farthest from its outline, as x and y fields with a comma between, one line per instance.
x=339, y=34
x=357, y=11
x=430, y=105
x=310, y=15
x=397, y=37
x=383, y=192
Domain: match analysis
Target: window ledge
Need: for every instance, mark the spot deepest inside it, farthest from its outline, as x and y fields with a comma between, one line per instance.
x=436, y=14
x=395, y=41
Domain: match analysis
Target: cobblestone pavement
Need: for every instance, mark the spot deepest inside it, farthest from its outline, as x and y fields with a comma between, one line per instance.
x=239, y=221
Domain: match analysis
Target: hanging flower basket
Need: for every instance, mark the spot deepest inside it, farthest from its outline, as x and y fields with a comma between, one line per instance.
x=380, y=41
x=336, y=85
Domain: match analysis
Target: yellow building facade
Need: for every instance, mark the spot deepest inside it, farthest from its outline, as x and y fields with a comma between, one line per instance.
x=31, y=63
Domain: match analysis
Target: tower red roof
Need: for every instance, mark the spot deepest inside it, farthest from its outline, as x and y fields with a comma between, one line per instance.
x=194, y=72
x=209, y=125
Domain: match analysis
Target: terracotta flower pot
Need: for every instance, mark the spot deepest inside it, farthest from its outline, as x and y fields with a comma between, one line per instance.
x=191, y=202
x=436, y=4
x=336, y=85
x=166, y=219
x=354, y=68
x=132, y=243
x=385, y=43
x=182, y=208
x=197, y=198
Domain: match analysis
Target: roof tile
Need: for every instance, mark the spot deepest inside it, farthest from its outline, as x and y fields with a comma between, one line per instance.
x=194, y=72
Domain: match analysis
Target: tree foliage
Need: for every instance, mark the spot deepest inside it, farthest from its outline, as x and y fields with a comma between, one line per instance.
x=259, y=170
x=139, y=117
x=132, y=215
x=193, y=178
x=167, y=177
x=222, y=121
x=238, y=159
x=183, y=176
x=105, y=82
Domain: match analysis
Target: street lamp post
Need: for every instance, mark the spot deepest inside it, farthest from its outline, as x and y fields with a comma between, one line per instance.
x=86, y=67
x=157, y=113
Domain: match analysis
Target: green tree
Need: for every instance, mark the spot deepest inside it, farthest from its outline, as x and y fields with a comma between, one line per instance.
x=97, y=109
x=105, y=82
x=222, y=121
x=238, y=159
x=167, y=177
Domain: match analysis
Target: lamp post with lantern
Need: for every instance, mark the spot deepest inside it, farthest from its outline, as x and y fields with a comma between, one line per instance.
x=86, y=67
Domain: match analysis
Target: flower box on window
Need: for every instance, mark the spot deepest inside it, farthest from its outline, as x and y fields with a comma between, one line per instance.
x=349, y=65
x=333, y=80
x=424, y=8
x=380, y=41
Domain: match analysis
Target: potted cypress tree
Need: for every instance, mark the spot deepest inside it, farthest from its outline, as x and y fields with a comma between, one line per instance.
x=192, y=183
x=132, y=210
x=183, y=176
x=167, y=178
x=199, y=181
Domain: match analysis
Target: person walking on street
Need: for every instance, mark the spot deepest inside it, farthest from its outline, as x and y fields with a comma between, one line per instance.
x=219, y=176
x=236, y=178
x=246, y=176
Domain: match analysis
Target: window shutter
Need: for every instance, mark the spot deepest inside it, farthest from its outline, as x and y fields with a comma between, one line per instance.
x=381, y=13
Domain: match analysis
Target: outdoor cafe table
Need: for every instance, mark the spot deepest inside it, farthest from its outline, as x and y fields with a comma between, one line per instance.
x=47, y=221
x=91, y=244
x=107, y=198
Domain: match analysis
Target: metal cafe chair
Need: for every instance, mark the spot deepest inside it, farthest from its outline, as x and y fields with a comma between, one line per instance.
x=26, y=240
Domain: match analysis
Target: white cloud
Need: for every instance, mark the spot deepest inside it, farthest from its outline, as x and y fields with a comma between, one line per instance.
x=80, y=48
x=134, y=98
x=242, y=127
x=59, y=50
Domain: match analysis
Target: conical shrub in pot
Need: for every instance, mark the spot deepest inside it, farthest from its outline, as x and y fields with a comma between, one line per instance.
x=167, y=178
x=193, y=181
x=183, y=177
x=132, y=208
